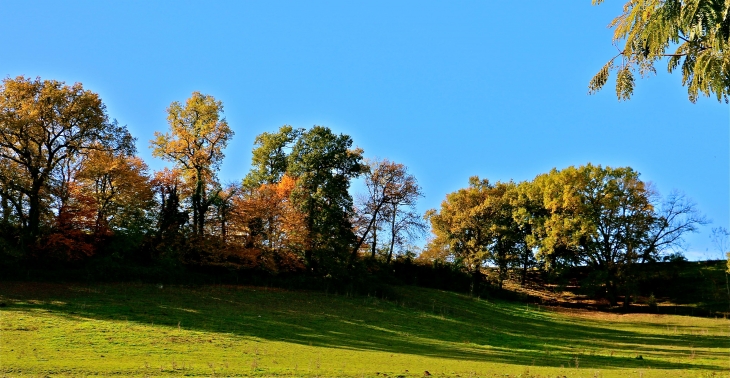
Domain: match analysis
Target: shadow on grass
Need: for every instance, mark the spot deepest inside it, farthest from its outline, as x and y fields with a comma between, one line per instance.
x=420, y=322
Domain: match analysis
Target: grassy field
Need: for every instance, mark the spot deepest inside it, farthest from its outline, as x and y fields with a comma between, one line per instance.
x=148, y=330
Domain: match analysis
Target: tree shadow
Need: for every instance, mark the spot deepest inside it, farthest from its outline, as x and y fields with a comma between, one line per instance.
x=420, y=322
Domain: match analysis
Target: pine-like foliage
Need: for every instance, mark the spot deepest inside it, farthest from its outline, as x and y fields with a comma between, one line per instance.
x=697, y=30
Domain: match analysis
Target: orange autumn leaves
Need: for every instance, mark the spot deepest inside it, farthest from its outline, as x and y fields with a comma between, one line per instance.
x=270, y=230
x=104, y=192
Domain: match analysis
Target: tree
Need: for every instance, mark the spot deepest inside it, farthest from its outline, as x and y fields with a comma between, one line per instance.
x=120, y=188
x=195, y=143
x=608, y=219
x=170, y=219
x=403, y=220
x=269, y=162
x=674, y=216
x=45, y=124
x=222, y=200
x=323, y=163
x=648, y=29
x=460, y=227
x=268, y=226
x=527, y=211
x=506, y=237
x=390, y=189
x=480, y=225
x=598, y=217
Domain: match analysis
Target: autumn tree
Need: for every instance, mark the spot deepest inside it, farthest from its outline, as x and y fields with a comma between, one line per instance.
x=198, y=134
x=598, y=217
x=268, y=226
x=167, y=185
x=648, y=30
x=120, y=188
x=460, y=227
x=44, y=124
x=527, y=212
x=608, y=219
x=479, y=226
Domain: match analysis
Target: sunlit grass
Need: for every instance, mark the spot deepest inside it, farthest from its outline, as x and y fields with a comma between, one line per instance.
x=144, y=330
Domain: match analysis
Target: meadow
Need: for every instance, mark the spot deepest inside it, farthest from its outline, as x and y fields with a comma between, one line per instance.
x=126, y=329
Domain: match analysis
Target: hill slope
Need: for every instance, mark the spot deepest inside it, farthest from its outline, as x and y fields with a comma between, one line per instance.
x=145, y=330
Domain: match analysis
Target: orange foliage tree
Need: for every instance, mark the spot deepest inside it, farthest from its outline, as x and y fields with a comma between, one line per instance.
x=120, y=188
x=268, y=228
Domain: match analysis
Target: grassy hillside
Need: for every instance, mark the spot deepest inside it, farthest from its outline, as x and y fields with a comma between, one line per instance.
x=147, y=330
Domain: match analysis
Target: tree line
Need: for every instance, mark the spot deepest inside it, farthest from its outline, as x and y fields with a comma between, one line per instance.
x=603, y=218
x=72, y=188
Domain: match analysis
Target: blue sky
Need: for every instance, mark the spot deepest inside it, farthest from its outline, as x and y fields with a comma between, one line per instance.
x=451, y=89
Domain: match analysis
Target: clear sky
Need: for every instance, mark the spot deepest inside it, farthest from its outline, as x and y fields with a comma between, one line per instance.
x=451, y=89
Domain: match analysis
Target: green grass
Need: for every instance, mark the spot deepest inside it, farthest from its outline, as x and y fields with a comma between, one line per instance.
x=144, y=330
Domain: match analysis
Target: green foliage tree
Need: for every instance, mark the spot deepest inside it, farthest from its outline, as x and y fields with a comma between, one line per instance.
x=44, y=125
x=323, y=163
x=608, y=219
x=508, y=245
x=598, y=217
x=198, y=134
x=269, y=162
x=697, y=30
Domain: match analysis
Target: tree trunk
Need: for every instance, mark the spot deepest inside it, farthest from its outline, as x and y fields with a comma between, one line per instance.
x=475, y=278
x=727, y=286
x=196, y=201
x=308, y=255
x=6, y=209
x=611, y=290
x=375, y=241
x=34, y=211
x=364, y=235
x=199, y=204
x=525, y=262
x=393, y=233
x=223, y=224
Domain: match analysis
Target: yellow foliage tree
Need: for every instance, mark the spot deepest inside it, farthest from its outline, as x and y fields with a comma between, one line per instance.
x=198, y=134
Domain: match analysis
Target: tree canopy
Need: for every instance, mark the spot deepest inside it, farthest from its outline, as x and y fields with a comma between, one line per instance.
x=198, y=135
x=600, y=217
x=72, y=190
x=45, y=126
x=693, y=35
